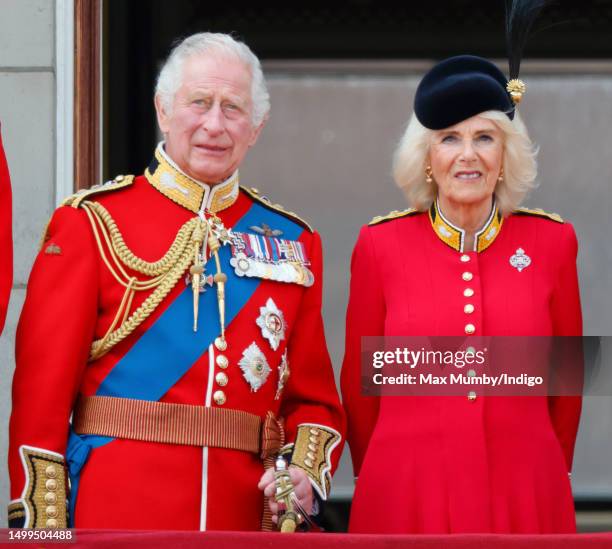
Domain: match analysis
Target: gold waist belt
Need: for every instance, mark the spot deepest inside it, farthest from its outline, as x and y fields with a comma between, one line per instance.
x=172, y=423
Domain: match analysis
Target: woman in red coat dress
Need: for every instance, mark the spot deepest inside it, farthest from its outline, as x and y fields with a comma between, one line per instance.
x=448, y=267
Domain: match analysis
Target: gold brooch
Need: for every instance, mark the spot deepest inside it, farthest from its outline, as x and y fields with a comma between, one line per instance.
x=516, y=88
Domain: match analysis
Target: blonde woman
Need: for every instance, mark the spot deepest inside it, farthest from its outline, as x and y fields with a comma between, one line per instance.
x=464, y=260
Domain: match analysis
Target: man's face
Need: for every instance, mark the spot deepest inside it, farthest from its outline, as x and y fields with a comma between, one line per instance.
x=209, y=130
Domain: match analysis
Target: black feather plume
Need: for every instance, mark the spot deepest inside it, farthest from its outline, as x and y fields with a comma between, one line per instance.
x=520, y=15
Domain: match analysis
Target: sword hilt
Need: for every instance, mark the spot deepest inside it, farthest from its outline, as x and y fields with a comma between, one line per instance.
x=288, y=519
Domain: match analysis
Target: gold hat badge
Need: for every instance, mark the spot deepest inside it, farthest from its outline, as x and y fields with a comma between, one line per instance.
x=516, y=88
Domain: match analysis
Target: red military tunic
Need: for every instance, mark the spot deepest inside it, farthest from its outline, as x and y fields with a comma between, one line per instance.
x=453, y=464
x=6, y=239
x=72, y=299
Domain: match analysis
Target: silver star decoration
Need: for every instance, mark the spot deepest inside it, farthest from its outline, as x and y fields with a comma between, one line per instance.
x=272, y=323
x=254, y=366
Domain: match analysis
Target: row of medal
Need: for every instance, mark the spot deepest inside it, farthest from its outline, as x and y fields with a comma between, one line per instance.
x=270, y=258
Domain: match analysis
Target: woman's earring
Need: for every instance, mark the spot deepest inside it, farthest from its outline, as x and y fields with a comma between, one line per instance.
x=500, y=177
x=428, y=177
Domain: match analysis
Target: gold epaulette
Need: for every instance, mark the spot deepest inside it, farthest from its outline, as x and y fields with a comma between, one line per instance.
x=120, y=182
x=538, y=212
x=75, y=200
x=395, y=214
x=254, y=194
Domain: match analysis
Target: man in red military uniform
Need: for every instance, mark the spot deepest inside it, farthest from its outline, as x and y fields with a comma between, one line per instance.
x=6, y=239
x=177, y=316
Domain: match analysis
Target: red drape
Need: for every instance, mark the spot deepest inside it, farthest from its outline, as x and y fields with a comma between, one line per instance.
x=6, y=237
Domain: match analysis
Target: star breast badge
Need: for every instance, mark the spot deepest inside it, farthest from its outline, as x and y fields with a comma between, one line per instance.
x=254, y=366
x=272, y=323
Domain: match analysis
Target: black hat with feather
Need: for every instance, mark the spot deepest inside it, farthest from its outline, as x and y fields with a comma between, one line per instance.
x=466, y=85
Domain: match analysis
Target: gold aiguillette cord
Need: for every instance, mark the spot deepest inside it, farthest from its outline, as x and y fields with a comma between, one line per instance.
x=202, y=236
x=220, y=279
x=197, y=269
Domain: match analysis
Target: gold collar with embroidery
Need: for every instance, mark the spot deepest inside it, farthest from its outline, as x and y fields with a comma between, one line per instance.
x=455, y=237
x=169, y=180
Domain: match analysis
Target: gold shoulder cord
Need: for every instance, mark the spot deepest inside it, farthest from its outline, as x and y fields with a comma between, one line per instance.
x=165, y=272
x=539, y=212
x=395, y=214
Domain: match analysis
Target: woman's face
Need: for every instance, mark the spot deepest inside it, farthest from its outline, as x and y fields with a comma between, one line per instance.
x=466, y=160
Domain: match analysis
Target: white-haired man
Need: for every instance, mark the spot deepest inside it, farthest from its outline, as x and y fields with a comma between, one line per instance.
x=177, y=317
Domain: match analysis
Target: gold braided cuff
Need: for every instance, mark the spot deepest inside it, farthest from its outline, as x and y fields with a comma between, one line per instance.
x=312, y=452
x=43, y=504
x=16, y=514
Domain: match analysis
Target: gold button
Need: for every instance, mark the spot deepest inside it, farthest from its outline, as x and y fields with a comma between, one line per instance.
x=468, y=292
x=220, y=344
x=314, y=431
x=310, y=455
x=50, y=498
x=468, y=309
x=308, y=462
x=51, y=511
x=219, y=398
x=472, y=396
x=467, y=276
x=51, y=523
x=51, y=484
x=470, y=329
x=312, y=447
x=470, y=351
x=119, y=178
x=222, y=361
x=465, y=258
x=314, y=440
x=221, y=379
x=50, y=471
x=471, y=373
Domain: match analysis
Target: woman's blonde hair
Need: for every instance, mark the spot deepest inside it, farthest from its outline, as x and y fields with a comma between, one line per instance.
x=519, y=163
